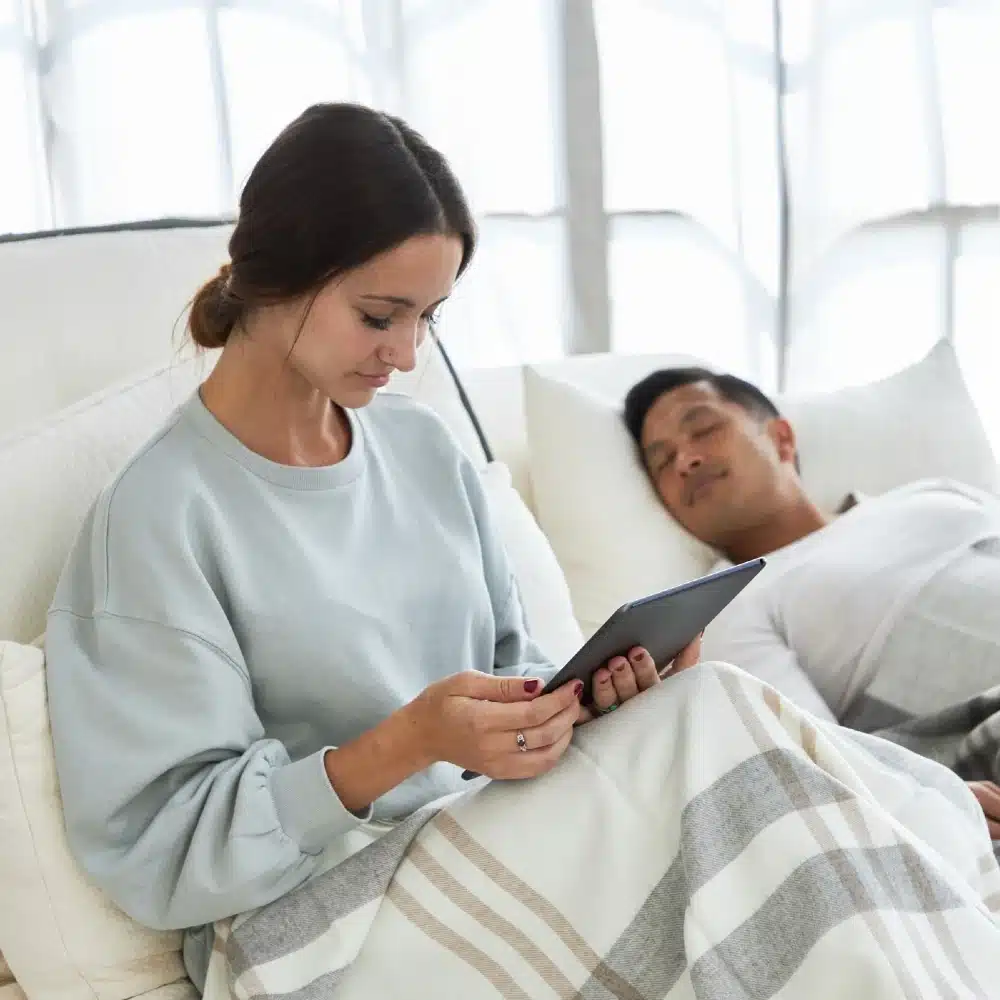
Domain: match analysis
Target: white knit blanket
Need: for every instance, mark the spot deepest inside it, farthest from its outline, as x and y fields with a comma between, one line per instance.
x=708, y=840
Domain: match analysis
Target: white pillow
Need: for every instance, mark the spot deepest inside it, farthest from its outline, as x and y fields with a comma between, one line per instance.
x=63, y=938
x=51, y=472
x=615, y=541
x=595, y=503
x=544, y=592
x=920, y=423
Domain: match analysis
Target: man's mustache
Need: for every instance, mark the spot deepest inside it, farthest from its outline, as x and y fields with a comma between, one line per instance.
x=702, y=475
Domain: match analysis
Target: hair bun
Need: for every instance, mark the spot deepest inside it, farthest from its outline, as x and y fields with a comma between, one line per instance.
x=214, y=311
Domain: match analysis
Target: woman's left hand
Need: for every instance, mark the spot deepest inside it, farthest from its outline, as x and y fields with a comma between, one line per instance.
x=626, y=676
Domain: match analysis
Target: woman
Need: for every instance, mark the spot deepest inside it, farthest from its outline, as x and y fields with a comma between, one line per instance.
x=290, y=613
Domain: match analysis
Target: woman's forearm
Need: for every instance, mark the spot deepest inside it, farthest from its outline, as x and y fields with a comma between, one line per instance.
x=377, y=761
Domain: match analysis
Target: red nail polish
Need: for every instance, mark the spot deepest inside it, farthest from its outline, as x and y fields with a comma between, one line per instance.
x=531, y=686
x=578, y=688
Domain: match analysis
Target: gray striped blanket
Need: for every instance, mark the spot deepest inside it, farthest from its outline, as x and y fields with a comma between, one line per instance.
x=965, y=737
x=709, y=840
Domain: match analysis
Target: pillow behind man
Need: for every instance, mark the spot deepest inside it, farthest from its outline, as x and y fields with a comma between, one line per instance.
x=916, y=424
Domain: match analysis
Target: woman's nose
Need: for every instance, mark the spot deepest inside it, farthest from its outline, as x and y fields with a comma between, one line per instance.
x=401, y=353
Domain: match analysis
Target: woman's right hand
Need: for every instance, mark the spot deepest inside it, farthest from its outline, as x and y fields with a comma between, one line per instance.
x=473, y=720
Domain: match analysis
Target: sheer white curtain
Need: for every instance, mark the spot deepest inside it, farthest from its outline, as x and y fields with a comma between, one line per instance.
x=691, y=185
x=619, y=154
x=116, y=110
x=893, y=138
x=802, y=191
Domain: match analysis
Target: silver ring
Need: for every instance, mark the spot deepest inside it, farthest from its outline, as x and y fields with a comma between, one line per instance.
x=608, y=710
x=522, y=743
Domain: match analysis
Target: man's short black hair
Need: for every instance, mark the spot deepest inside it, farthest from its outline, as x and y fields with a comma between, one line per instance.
x=642, y=396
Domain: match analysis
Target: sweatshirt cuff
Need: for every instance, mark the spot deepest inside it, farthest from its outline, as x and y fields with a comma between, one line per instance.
x=309, y=810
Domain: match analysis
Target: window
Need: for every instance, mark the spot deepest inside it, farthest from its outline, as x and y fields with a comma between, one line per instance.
x=673, y=291
x=967, y=45
x=22, y=198
x=127, y=144
x=626, y=159
x=479, y=82
x=691, y=183
x=258, y=49
x=874, y=305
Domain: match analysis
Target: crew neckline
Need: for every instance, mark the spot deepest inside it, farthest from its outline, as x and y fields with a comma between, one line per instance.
x=295, y=477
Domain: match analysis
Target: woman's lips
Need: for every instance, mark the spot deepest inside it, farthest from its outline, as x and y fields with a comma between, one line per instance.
x=376, y=381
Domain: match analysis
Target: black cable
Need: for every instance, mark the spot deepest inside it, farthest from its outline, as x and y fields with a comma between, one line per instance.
x=464, y=399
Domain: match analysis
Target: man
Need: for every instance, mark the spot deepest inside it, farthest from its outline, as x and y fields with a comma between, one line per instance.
x=887, y=611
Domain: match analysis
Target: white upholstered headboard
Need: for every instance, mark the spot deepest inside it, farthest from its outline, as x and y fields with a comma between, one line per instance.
x=82, y=310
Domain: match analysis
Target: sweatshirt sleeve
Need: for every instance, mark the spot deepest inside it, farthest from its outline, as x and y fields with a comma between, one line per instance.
x=516, y=652
x=175, y=803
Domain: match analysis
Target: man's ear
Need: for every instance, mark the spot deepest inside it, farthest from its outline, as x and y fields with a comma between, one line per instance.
x=783, y=435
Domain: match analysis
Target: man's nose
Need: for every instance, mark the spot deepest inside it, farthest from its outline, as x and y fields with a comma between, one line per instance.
x=688, y=462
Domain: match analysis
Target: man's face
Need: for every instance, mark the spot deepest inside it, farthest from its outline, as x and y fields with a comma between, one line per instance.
x=718, y=468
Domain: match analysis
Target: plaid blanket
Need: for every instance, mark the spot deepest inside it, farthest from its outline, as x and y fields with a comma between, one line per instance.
x=709, y=840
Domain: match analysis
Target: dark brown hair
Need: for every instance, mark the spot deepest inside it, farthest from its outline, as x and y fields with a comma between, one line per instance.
x=644, y=394
x=338, y=186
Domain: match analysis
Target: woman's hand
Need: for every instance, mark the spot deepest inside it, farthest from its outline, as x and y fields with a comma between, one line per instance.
x=497, y=726
x=626, y=676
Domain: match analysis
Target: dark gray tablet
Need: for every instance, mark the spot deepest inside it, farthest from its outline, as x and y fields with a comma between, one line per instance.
x=663, y=624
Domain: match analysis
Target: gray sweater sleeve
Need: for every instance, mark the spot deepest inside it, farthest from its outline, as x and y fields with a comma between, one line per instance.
x=516, y=652
x=175, y=802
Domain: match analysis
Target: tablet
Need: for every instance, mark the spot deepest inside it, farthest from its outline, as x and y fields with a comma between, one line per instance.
x=663, y=624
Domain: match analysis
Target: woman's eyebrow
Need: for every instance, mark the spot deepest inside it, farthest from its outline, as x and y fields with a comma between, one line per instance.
x=396, y=300
x=400, y=300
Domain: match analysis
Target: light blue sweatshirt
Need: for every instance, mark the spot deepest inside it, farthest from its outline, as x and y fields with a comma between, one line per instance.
x=223, y=619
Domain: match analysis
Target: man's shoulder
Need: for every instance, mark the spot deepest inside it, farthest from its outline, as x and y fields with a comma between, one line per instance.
x=938, y=486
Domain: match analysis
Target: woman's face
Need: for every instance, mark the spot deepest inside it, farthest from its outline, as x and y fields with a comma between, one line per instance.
x=366, y=324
